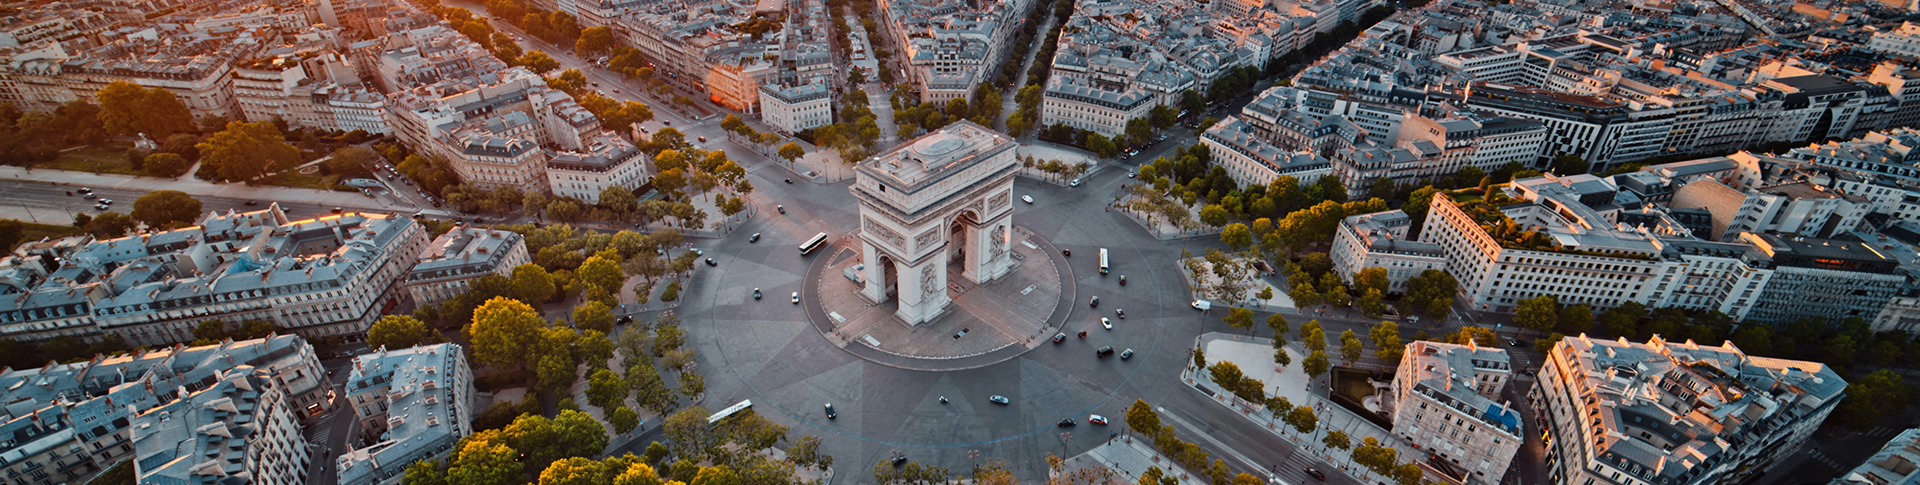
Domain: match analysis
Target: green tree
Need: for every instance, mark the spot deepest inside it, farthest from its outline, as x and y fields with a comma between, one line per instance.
x=1372, y=278
x=1350, y=347
x=1545, y=344
x=1878, y=395
x=602, y=272
x=650, y=392
x=166, y=208
x=502, y=332
x=1575, y=320
x=1570, y=164
x=1142, y=418
x=1416, y=207
x=1371, y=304
x=1337, y=439
x=481, y=462
x=1213, y=215
x=1279, y=325
x=594, y=41
x=1386, y=342
x=109, y=225
x=396, y=332
x=163, y=164
x=539, y=62
x=1537, y=313
x=1304, y=295
x=1240, y=318
x=1101, y=146
x=1316, y=364
x=245, y=151
x=574, y=471
x=424, y=472
x=532, y=284
x=1237, y=236
x=593, y=315
x=1481, y=336
x=791, y=152
x=1431, y=292
x=128, y=109
x=1303, y=420
x=1312, y=336
x=605, y=389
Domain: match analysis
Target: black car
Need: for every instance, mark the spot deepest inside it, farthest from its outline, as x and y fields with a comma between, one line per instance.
x=1315, y=474
x=338, y=210
x=1066, y=252
x=1126, y=354
x=711, y=263
x=1066, y=423
x=1123, y=280
x=1104, y=351
x=1059, y=337
x=1093, y=302
x=624, y=319
x=830, y=413
x=253, y=202
x=756, y=293
x=1122, y=313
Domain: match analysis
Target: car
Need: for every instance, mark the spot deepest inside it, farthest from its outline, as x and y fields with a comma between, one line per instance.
x=1104, y=322
x=1093, y=302
x=101, y=206
x=1126, y=354
x=1066, y=423
x=756, y=293
x=781, y=208
x=1316, y=474
x=624, y=319
x=1103, y=351
x=1066, y=252
x=1133, y=174
x=87, y=195
x=999, y=399
x=106, y=201
x=795, y=298
x=711, y=263
x=697, y=251
x=1073, y=183
x=436, y=203
x=594, y=84
x=702, y=139
x=1059, y=337
x=830, y=413
x=789, y=181
x=1201, y=305
x=1096, y=419
x=338, y=210
x=1026, y=198
x=253, y=202
x=86, y=190
x=1122, y=313
x=754, y=238
x=1123, y=280
x=1516, y=342
x=616, y=90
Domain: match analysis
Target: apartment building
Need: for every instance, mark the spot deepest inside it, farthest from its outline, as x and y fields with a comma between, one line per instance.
x=1616, y=412
x=1897, y=463
x=1077, y=103
x=796, y=108
x=1379, y=240
x=72, y=421
x=1801, y=209
x=414, y=404
x=1428, y=149
x=1903, y=42
x=952, y=47
x=459, y=256
x=1446, y=398
x=239, y=428
x=1250, y=160
x=607, y=162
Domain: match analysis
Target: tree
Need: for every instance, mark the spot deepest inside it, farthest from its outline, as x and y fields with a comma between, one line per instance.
x=1371, y=303
x=1371, y=278
x=574, y=471
x=539, y=62
x=1316, y=364
x=166, y=208
x=1537, y=313
x=128, y=109
x=593, y=315
x=605, y=389
x=1304, y=295
x=1141, y=417
x=163, y=164
x=396, y=332
x=532, y=284
x=1279, y=325
x=602, y=272
x=1312, y=337
x=1303, y=420
x=1350, y=346
x=1199, y=358
x=1101, y=146
x=1237, y=236
x=245, y=151
x=1575, y=320
x=483, y=462
x=503, y=331
x=1239, y=318
x=1386, y=342
x=1431, y=292
x=10, y=233
x=1213, y=215
x=424, y=472
x=594, y=41
x=1481, y=336
x=1543, y=345
x=1871, y=398
x=1570, y=164
x=1337, y=439
x=109, y=225
x=650, y=392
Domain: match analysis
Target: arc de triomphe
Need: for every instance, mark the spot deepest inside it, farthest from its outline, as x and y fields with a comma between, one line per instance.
x=943, y=199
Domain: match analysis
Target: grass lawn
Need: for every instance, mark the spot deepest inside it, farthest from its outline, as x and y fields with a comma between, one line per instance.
x=108, y=159
x=295, y=179
x=33, y=232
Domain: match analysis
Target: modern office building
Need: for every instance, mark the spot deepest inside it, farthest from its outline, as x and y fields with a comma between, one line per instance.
x=1827, y=279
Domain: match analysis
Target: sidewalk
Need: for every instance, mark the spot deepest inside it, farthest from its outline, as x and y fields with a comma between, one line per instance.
x=1254, y=356
x=199, y=188
x=1130, y=458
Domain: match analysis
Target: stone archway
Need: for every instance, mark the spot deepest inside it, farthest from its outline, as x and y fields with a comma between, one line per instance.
x=962, y=234
x=889, y=276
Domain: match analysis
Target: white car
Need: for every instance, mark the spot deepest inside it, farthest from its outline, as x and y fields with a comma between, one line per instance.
x=1073, y=183
x=1202, y=305
x=796, y=298
x=1104, y=322
x=1096, y=419
x=1027, y=198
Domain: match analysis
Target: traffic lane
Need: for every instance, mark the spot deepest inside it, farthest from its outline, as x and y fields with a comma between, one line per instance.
x=53, y=197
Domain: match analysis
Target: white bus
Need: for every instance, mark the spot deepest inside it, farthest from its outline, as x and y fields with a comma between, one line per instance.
x=1103, y=261
x=812, y=244
x=729, y=411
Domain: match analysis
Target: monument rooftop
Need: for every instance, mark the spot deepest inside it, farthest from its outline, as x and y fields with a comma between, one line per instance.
x=936, y=156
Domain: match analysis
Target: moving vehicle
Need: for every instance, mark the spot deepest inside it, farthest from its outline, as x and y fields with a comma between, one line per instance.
x=1059, y=337
x=1315, y=474
x=795, y=298
x=1122, y=313
x=1123, y=280
x=106, y=201
x=1027, y=198
x=730, y=411
x=1073, y=183
x=1104, y=351
x=756, y=293
x=1104, y=322
x=781, y=208
x=87, y=195
x=1096, y=419
x=1103, y=261
x=1094, y=302
x=1202, y=305
x=755, y=238
x=1126, y=354
x=1066, y=423
x=711, y=263
x=830, y=413
x=101, y=206
x=999, y=399
x=812, y=244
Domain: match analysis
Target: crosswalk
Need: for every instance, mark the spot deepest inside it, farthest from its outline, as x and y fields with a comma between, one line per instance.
x=1293, y=470
x=1883, y=431
x=1816, y=455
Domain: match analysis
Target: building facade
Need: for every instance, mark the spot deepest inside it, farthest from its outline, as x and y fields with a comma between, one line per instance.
x=454, y=259
x=1446, y=398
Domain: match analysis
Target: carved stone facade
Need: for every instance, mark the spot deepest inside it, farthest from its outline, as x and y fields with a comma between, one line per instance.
x=952, y=190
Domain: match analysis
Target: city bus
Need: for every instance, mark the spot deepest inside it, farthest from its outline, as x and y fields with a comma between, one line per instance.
x=729, y=411
x=1103, y=261
x=812, y=244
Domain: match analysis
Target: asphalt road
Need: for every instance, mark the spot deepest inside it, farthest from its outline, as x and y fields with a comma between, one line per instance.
x=55, y=199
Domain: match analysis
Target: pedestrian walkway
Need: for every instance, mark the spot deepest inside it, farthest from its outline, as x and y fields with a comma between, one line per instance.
x=1816, y=455
x=1254, y=356
x=1129, y=458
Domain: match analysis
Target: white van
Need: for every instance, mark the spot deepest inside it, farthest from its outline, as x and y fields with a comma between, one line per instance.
x=1202, y=305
